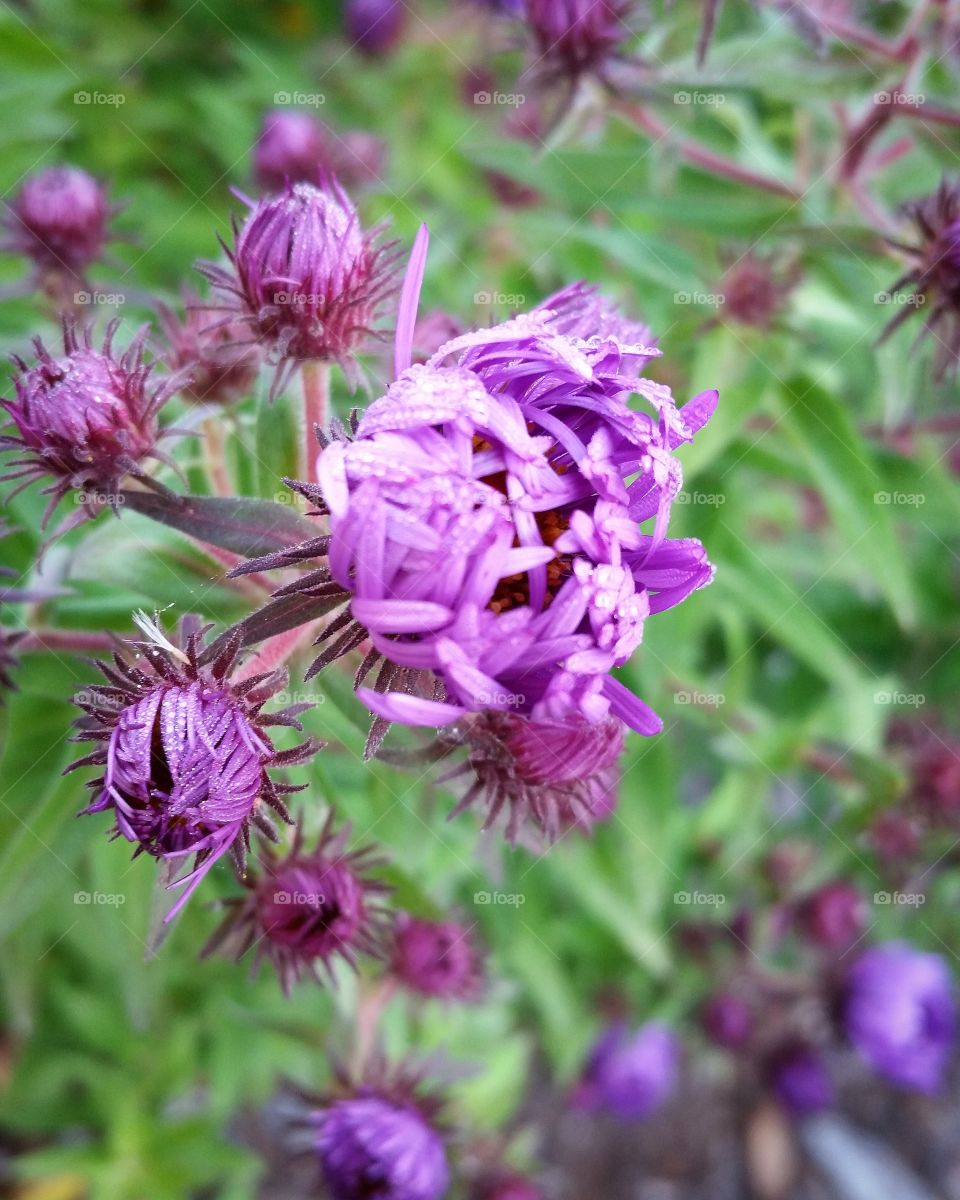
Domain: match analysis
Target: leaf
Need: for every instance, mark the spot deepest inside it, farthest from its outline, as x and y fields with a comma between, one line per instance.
x=241, y=525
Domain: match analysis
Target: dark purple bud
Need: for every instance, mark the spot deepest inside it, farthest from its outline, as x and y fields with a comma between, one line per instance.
x=895, y=836
x=86, y=419
x=502, y=1185
x=834, y=916
x=305, y=278
x=629, y=1075
x=436, y=958
x=290, y=149
x=727, y=1020
x=217, y=368
x=59, y=220
x=374, y=26
x=801, y=1082
x=573, y=37
x=787, y=863
x=900, y=1013
x=306, y=909
x=755, y=289
x=185, y=751
x=370, y=1145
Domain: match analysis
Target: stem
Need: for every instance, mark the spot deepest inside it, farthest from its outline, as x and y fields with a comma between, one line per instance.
x=215, y=457
x=369, y=1011
x=718, y=164
x=75, y=641
x=316, y=403
x=275, y=651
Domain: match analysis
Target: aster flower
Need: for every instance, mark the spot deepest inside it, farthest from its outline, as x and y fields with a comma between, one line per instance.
x=308, y=909
x=436, y=958
x=86, y=419
x=755, y=288
x=834, y=916
x=800, y=1081
x=727, y=1020
x=304, y=277
x=185, y=751
x=577, y=37
x=210, y=357
x=900, y=1014
x=374, y=26
x=294, y=147
x=934, y=276
x=629, y=1075
x=382, y=1140
x=58, y=220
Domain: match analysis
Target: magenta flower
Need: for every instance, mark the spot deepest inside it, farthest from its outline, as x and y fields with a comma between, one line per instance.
x=576, y=37
x=294, y=147
x=834, y=916
x=505, y=1185
x=629, y=1075
x=374, y=1144
x=305, y=278
x=306, y=910
x=59, y=221
x=86, y=419
x=727, y=1020
x=185, y=752
x=209, y=356
x=900, y=1013
x=436, y=958
x=374, y=26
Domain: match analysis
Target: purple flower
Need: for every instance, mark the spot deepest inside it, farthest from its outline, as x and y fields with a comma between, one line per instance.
x=900, y=1014
x=629, y=1075
x=290, y=149
x=87, y=419
x=574, y=37
x=755, y=289
x=374, y=26
x=504, y=1185
x=304, y=277
x=374, y=1145
x=210, y=357
x=834, y=916
x=59, y=220
x=306, y=910
x=185, y=751
x=801, y=1082
x=436, y=958
x=727, y=1020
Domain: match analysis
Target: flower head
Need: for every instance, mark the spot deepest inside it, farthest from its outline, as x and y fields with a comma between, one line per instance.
x=727, y=1020
x=755, y=289
x=436, y=958
x=185, y=751
x=305, y=278
x=381, y=1143
x=308, y=909
x=576, y=37
x=900, y=1014
x=86, y=419
x=801, y=1082
x=374, y=26
x=59, y=220
x=629, y=1075
x=934, y=275
x=294, y=147
x=834, y=916
x=207, y=354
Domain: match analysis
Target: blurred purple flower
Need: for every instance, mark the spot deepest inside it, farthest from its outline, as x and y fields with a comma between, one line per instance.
x=629, y=1075
x=58, y=220
x=574, y=37
x=727, y=1020
x=834, y=916
x=801, y=1082
x=900, y=1013
x=186, y=752
x=305, y=278
x=436, y=958
x=294, y=147
x=86, y=419
x=503, y=1185
x=210, y=357
x=373, y=1145
x=307, y=909
x=374, y=26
